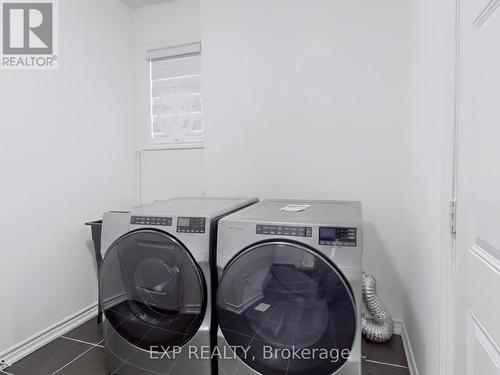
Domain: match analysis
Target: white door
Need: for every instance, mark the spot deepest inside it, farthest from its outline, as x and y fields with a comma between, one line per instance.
x=477, y=331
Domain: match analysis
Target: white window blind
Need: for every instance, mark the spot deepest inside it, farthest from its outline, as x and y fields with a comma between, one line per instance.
x=176, y=98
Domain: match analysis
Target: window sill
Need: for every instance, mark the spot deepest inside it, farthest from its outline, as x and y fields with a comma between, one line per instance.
x=159, y=146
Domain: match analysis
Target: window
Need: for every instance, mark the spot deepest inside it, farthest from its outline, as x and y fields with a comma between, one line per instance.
x=175, y=96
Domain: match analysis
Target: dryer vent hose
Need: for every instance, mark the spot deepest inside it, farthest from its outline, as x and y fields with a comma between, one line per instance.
x=380, y=327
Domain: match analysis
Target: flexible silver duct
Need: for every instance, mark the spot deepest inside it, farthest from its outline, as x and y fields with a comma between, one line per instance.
x=380, y=328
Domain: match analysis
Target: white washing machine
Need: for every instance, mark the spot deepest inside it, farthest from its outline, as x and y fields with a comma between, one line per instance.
x=155, y=285
x=289, y=294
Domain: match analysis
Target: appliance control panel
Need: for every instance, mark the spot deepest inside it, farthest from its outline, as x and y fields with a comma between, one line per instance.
x=337, y=236
x=151, y=220
x=284, y=230
x=191, y=224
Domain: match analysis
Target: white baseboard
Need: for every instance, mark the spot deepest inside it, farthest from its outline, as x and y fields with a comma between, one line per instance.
x=412, y=365
x=28, y=346
x=398, y=326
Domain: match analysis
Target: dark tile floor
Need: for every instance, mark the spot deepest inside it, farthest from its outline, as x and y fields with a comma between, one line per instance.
x=81, y=352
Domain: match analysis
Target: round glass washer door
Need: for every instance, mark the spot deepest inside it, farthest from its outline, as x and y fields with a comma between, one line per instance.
x=277, y=297
x=152, y=291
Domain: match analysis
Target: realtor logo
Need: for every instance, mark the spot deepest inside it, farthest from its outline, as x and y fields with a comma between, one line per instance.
x=28, y=34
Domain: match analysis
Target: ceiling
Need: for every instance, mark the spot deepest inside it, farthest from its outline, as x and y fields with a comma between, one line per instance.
x=142, y=3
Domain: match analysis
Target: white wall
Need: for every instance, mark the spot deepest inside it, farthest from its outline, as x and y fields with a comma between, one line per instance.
x=165, y=173
x=428, y=177
x=67, y=154
x=306, y=101
x=300, y=101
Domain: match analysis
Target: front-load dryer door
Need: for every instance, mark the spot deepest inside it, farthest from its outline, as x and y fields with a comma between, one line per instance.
x=151, y=290
x=290, y=307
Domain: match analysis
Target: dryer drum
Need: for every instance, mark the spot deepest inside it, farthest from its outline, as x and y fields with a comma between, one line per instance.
x=285, y=296
x=152, y=291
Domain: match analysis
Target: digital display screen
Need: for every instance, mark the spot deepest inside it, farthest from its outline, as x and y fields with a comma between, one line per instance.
x=183, y=222
x=337, y=236
x=328, y=233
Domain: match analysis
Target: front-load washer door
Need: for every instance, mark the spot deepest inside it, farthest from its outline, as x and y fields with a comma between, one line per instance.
x=152, y=291
x=289, y=307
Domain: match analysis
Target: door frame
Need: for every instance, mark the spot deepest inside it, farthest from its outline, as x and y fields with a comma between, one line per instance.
x=448, y=235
